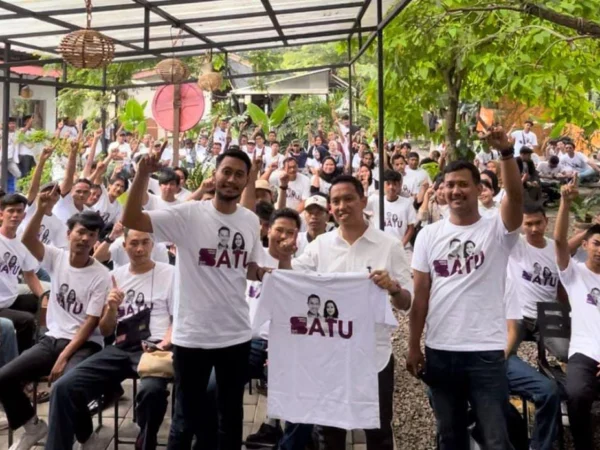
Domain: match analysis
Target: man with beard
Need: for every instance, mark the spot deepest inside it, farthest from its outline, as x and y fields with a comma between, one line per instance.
x=211, y=331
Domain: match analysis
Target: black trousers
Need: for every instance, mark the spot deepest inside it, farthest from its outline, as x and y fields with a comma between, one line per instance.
x=193, y=367
x=22, y=314
x=26, y=163
x=582, y=390
x=33, y=364
x=331, y=438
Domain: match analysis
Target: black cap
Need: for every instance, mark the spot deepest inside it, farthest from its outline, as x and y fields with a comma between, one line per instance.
x=525, y=150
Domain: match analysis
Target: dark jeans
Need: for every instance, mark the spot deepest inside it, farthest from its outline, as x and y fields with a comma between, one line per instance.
x=193, y=367
x=26, y=163
x=69, y=414
x=331, y=438
x=526, y=381
x=582, y=390
x=22, y=314
x=33, y=364
x=458, y=379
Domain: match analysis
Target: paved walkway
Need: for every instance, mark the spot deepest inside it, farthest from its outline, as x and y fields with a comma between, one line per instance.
x=255, y=410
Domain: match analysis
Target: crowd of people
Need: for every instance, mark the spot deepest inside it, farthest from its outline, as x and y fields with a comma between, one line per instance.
x=92, y=286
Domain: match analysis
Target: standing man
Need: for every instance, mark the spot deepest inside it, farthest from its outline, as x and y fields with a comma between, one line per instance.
x=524, y=138
x=211, y=325
x=462, y=300
x=358, y=247
x=316, y=214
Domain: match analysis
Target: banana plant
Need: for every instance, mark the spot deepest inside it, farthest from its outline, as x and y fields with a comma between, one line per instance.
x=259, y=117
x=132, y=117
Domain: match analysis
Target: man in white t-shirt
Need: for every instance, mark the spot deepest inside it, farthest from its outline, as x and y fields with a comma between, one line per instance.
x=261, y=148
x=298, y=187
x=79, y=288
x=400, y=216
x=182, y=193
x=273, y=156
x=316, y=215
x=201, y=147
x=220, y=132
x=120, y=149
x=459, y=266
x=168, y=182
x=415, y=176
x=578, y=162
x=151, y=285
x=73, y=195
x=358, y=247
x=524, y=138
x=582, y=283
x=108, y=205
x=398, y=163
x=211, y=325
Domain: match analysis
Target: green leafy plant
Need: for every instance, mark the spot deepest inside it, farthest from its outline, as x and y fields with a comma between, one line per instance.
x=132, y=116
x=259, y=117
x=24, y=183
x=582, y=208
x=34, y=138
x=198, y=175
x=432, y=169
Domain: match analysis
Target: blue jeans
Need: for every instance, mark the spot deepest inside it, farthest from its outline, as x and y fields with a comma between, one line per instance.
x=460, y=379
x=8, y=341
x=526, y=381
x=296, y=436
x=587, y=174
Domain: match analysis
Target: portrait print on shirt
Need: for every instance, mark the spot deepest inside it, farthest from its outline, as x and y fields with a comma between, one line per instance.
x=10, y=264
x=462, y=259
x=67, y=300
x=44, y=234
x=134, y=303
x=593, y=298
x=325, y=322
x=392, y=220
x=540, y=275
x=229, y=252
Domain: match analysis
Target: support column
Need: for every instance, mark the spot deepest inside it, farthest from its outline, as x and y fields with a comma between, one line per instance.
x=380, y=112
x=5, y=115
x=350, y=99
x=103, y=112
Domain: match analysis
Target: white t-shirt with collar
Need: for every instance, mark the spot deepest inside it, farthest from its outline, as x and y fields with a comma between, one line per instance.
x=297, y=191
x=14, y=258
x=211, y=310
x=110, y=212
x=583, y=287
x=532, y=272
x=154, y=290
x=75, y=294
x=65, y=208
x=119, y=256
x=374, y=250
x=52, y=230
x=467, y=265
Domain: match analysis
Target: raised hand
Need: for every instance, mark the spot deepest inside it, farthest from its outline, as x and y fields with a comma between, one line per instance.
x=115, y=296
x=47, y=198
x=495, y=136
x=117, y=231
x=151, y=163
x=284, y=179
x=570, y=191
x=46, y=153
x=208, y=185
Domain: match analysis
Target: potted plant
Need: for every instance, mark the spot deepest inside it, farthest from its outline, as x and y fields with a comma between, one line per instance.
x=582, y=210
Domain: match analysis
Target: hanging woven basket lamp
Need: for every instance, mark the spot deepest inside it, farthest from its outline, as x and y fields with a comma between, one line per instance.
x=209, y=80
x=172, y=70
x=87, y=48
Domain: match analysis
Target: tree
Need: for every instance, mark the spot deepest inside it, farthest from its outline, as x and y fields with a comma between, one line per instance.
x=439, y=55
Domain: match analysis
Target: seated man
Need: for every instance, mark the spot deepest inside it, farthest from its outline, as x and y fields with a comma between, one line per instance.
x=139, y=285
x=578, y=162
x=582, y=283
x=552, y=175
x=79, y=288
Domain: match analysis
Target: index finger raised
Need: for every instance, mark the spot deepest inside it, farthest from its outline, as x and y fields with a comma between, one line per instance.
x=114, y=282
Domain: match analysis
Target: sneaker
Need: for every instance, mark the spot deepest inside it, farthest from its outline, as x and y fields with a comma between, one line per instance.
x=267, y=436
x=31, y=437
x=3, y=421
x=91, y=443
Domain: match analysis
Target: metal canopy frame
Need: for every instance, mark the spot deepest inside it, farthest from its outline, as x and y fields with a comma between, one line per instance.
x=142, y=49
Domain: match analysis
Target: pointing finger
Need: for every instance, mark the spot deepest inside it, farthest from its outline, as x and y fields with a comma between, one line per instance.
x=114, y=282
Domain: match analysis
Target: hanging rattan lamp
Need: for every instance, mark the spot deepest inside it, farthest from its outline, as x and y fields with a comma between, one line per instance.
x=172, y=70
x=87, y=48
x=209, y=80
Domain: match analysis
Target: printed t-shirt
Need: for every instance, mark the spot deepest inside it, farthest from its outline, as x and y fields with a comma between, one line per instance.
x=213, y=253
x=15, y=257
x=65, y=208
x=414, y=179
x=583, y=287
x=398, y=215
x=154, y=290
x=119, y=256
x=533, y=273
x=254, y=289
x=52, y=230
x=74, y=294
x=297, y=191
x=467, y=265
x=322, y=362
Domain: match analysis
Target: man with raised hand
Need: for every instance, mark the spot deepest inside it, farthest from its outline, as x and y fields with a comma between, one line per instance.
x=211, y=325
x=459, y=269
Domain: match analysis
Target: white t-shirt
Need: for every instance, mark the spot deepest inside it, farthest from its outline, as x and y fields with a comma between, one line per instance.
x=578, y=162
x=489, y=212
x=544, y=169
x=183, y=195
x=154, y=290
x=119, y=256
x=211, y=310
x=65, y=208
x=297, y=191
x=168, y=154
x=523, y=139
x=75, y=294
x=374, y=250
x=398, y=215
x=220, y=136
x=532, y=272
x=467, y=265
x=110, y=212
x=486, y=157
x=254, y=289
x=269, y=158
x=52, y=230
x=323, y=370
x=15, y=257
x=124, y=150
x=156, y=202
x=414, y=179
x=583, y=287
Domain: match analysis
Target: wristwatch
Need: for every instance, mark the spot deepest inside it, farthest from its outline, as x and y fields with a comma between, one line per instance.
x=109, y=240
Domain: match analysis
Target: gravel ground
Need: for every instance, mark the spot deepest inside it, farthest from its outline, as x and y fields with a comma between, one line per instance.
x=414, y=423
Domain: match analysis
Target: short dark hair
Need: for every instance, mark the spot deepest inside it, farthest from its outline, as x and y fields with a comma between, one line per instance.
x=313, y=296
x=224, y=228
x=350, y=180
x=398, y=156
x=487, y=184
x=413, y=155
x=494, y=178
x=218, y=143
x=455, y=166
x=275, y=142
x=530, y=122
x=534, y=208
x=90, y=220
x=238, y=154
x=594, y=229
x=121, y=178
x=406, y=144
x=83, y=180
x=288, y=159
x=12, y=200
x=166, y=175
x=264, y=210
x=183, y=170
x=392, y=176
x=554, y=160
x=286, y=213
x=345, y=117
x=96, y=186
